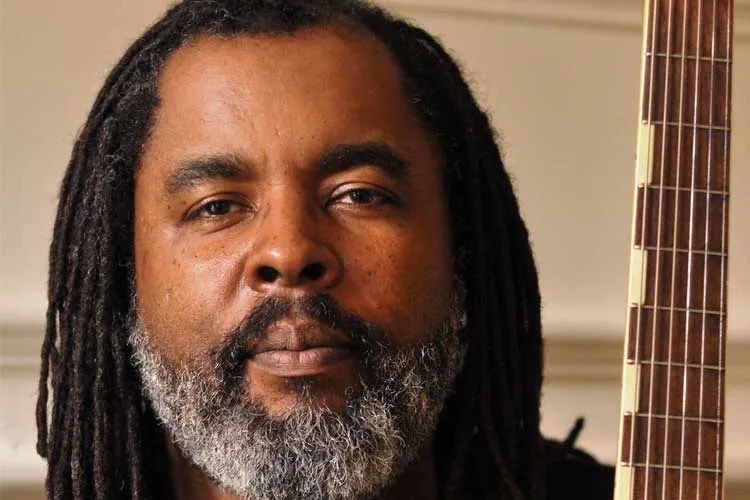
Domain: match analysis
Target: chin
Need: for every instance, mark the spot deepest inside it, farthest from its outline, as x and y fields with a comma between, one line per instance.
x=280, y=395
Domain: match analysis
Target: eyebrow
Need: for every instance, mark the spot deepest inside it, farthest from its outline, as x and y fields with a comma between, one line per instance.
x=194, y=171
x=346, y=156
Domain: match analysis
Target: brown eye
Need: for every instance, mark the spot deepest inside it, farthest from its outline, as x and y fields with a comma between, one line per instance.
x=363, y=196
x=216, y=208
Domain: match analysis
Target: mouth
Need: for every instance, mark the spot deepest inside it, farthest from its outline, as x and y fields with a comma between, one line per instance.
x=294, y=349
x=304, y=363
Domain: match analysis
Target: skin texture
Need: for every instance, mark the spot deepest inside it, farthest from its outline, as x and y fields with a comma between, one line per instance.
x=374, y=236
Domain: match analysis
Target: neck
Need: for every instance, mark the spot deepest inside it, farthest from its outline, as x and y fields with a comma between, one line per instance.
x=417, y=482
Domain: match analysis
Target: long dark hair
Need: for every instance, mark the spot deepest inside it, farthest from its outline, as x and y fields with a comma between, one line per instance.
x=102, y=440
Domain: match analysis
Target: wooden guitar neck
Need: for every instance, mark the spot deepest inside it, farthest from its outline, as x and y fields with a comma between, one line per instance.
x=672, y=406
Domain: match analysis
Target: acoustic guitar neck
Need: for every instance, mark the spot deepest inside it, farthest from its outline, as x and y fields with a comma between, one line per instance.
x=672, y=405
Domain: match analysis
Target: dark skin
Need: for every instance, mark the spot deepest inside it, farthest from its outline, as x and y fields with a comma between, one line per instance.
x=286, y=166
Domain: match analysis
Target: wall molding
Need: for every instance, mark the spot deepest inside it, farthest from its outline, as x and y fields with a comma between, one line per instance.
x=582, y=359
x=568, y=355
x=20, y=347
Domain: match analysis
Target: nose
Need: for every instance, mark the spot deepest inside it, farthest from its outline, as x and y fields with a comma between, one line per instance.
x=290, y=253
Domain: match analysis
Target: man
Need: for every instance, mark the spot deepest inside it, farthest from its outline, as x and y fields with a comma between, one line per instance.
x=288, y=263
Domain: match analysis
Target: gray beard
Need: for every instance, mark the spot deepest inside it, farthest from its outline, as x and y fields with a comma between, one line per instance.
x=310, y=451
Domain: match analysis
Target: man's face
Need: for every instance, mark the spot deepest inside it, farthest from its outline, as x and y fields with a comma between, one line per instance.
x=289, y=170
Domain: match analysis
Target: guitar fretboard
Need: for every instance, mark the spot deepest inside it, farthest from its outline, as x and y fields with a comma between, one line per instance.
x=671, y=433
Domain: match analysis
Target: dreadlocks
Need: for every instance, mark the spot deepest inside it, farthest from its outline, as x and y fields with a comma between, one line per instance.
x=101, y=438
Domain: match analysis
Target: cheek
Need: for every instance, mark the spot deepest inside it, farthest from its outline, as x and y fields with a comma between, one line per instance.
x=405, y=282
x=179, y=292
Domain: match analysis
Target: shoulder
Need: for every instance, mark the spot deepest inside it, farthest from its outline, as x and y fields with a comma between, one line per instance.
x=574, y=474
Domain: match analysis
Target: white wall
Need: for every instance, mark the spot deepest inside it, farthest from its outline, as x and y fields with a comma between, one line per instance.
x=560, y=79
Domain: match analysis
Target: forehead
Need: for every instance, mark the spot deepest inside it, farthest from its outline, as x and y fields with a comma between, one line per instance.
x=326, y=50
x=325, y=81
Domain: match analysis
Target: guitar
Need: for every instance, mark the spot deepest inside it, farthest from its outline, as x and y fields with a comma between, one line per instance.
x=672, y=405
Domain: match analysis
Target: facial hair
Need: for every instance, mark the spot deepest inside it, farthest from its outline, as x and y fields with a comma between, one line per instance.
x=310, y=451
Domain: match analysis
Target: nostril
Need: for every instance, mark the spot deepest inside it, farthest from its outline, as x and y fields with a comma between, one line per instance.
x=267, y=274
x=313, y=272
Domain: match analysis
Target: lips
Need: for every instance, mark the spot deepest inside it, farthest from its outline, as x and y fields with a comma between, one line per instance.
x=296, y=348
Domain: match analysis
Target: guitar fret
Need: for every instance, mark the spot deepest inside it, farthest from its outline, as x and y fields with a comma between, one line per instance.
x=691, y=57
x=673, y=216
x=672, y=336
x=703, y=100
x=672, y=35
x=668, y=273
x=673, y=484
x=661, y=440
x=664, y=388
x=644, y=465
x=672, y=364
x=700, y=420
x=684, y=189
x=681, y=309
x=701, y=126
x=696, y=159
x=681, y=250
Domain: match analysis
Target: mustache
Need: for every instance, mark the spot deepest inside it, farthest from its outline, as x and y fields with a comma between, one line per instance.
x=321, y=308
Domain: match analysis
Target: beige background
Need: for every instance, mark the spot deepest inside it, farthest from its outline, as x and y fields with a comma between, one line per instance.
x=560, y=80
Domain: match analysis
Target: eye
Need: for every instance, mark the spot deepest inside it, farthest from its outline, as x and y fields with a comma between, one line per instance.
x=215, y=209
x=363, y=196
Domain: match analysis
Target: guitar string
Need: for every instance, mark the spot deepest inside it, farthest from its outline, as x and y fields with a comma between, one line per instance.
x=709, y=182
x=654, y=8
x=655, y=312
x=724, y=214
x=689, y=288
x=655, y=15
x=676, y=164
